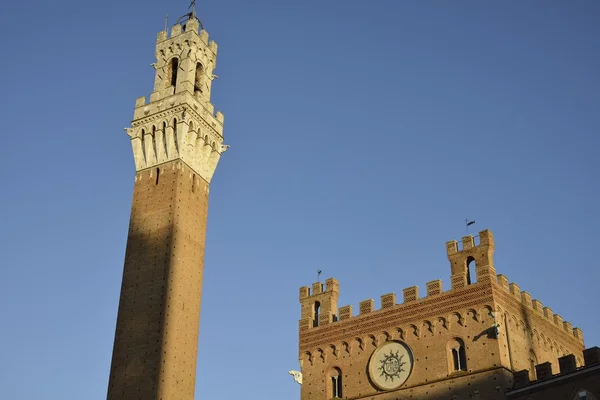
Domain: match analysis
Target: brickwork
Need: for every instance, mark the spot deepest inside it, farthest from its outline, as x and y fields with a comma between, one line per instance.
x=157, y=327
x=433, y=327
x=568, y=383
x=177, y=143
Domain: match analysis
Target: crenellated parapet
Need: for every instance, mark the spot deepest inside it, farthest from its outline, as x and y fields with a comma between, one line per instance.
x=488, y=283
x=194, y=56
x=534, y=308
x=568, y=365
x=463, y=258
x=179, y=122
x=319, y=306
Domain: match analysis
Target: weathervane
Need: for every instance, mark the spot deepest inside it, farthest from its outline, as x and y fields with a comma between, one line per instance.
x=191, y=14
x=193, y=7
x=468, y=223
x=319, y=275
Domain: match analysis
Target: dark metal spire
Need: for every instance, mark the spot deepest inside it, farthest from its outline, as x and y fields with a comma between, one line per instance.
x=191, y=15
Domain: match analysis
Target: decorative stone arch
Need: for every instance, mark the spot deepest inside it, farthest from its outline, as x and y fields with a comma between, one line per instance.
x=333, y=350
x=345, y=346
x=320, y=355
x=472, y=314
x=414, y=330
x=542, y=340
x=306, y=357
x=442, y=323
x=383, y=337
x=521, y=328
x=455, y=319
x=371, y=340
x=357, y=344
x=426, y=328
x=515, y=321
x=401, y=334
x=487, y=312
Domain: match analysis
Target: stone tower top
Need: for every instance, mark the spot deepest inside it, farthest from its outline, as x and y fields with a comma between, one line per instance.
x=179, y=121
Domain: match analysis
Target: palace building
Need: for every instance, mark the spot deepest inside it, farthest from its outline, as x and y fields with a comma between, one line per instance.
x=473, y=341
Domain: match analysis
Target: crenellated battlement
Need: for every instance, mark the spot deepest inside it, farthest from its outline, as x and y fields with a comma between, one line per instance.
x=487, y=281
x=462, y=260
x=179, y=122
x=190, y=26
x=568, y=364
x=536, y=306
x=319, y=307
x=434, y=291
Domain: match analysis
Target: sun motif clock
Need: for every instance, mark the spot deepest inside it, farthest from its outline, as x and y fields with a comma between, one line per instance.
x=390, y=365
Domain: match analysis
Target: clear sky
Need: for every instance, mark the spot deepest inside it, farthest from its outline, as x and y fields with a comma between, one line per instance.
x=362, y=134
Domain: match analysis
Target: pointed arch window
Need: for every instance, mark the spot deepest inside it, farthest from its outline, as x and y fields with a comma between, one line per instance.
x=336, y=383
x=457, y=356
x=317, y=307
x=471, y=271
x=198, y=79
x=171, y=76
x=532, y=363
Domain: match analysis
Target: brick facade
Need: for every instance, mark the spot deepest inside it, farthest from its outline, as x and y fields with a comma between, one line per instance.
x=497, y=328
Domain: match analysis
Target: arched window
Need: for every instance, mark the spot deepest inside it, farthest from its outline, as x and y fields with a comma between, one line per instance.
x=336, y=383
x=172, y=68
x=154, y=144
x=532, y=363
x=143, y=143
x=471, y=271
x=175, y=134
x=316, y=313
x=457, y=356
x=164, y=137
x=198, y=80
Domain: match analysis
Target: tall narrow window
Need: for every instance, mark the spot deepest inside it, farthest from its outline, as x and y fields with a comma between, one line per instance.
x=532, y=364
x=336, y=383
x=157, y=175
x=457, y=356
x=164, y=137
x=316, y=312
x=175, y=134
x=154, y=144
x=471, y=271
x=198, y=80
x=173, y=67
x=143, y=144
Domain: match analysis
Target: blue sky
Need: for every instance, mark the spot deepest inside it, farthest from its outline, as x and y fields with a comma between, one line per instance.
x=362, y=135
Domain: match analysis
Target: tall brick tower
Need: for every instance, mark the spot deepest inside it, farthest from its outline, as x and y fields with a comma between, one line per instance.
x=177, y=141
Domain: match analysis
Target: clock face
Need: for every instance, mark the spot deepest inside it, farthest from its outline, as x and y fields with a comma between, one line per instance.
x=390, y=365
